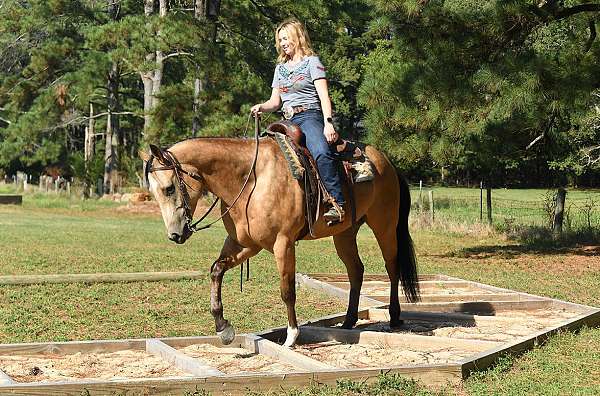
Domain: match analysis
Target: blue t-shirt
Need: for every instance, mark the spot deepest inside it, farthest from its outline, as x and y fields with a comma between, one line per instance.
x=297, y=83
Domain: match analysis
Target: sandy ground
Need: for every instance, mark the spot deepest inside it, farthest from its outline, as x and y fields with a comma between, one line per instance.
x=80, y=366
x=513, y=324
x=363, y=356
x=236, y=360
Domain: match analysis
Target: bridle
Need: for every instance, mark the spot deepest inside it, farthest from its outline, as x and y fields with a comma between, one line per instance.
x=170, y=162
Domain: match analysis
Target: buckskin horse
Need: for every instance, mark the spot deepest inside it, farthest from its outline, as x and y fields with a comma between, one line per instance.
x=262, y=207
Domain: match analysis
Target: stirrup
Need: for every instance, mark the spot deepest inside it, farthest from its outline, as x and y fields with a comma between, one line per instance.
x=334, y=216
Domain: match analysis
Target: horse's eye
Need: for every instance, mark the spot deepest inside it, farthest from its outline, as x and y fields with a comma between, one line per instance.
x=170, y=190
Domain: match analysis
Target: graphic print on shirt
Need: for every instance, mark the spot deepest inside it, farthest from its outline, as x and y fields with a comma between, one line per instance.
x=291, y=80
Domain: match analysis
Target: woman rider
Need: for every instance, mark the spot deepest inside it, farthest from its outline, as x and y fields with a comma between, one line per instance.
x=299, y=85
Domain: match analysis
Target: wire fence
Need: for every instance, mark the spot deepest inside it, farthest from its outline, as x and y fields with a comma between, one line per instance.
x=508, y=207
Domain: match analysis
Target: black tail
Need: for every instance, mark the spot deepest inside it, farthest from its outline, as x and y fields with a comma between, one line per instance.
x=407, y=261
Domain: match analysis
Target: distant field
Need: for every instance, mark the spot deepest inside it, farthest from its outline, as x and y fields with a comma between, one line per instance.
x=510, y=206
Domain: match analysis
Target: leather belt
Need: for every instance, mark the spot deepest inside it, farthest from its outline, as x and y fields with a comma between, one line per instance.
x=290, y=111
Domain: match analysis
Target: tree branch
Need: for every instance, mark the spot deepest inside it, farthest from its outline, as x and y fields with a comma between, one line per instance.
x=263, y=12
x=585, y=7
x=178, y=53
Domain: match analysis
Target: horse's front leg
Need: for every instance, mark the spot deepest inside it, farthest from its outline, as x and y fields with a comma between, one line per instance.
x=285, y=255
x=231, y=255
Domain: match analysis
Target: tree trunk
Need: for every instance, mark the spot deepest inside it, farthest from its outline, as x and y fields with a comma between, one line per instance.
x=559, y=211
x=88, y=151
x=111, y=153
x=152, y=79
x=198, y=90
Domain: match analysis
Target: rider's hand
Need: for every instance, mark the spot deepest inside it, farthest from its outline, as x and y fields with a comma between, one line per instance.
x=256, y=109
x=330, y=134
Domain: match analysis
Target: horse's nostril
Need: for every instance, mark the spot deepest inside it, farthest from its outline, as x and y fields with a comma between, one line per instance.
x=174, y=237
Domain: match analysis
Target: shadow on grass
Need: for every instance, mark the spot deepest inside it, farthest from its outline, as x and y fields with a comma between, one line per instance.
x=538, y=240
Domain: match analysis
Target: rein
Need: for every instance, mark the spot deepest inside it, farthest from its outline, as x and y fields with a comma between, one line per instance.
x=173, y=164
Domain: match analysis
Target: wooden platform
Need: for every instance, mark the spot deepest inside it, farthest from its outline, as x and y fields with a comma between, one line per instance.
x=461, y=326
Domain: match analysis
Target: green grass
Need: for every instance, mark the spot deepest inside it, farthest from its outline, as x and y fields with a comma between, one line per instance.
x=512, y=206
x=55, y=235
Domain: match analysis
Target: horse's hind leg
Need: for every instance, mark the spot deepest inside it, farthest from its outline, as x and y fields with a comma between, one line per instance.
x=383, y=225
x=231, y=255
x=345, y=245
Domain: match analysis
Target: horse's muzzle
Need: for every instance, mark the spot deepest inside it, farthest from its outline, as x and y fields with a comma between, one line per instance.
x=181, y=238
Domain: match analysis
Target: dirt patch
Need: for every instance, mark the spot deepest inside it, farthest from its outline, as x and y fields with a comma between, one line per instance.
x=152, y=208
x=368, y=355
x=236, y=360
x=80, y=366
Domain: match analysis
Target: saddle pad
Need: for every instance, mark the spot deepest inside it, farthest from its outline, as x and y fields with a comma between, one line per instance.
x=290, y=155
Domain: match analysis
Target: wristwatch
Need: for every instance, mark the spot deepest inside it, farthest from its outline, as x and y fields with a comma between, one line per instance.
x=329, y=120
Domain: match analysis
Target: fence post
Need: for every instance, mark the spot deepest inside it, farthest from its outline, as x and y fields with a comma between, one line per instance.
x=481, y=201
x=420, y=202
x=431, y=208
x=559, y=212
x=489, y=204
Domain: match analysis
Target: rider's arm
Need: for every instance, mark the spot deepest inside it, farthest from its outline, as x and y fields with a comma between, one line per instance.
x=270, y=105
x=329, y=131
x=274, y=102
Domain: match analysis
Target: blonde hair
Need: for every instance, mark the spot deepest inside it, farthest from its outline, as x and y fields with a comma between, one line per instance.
x=297, y=35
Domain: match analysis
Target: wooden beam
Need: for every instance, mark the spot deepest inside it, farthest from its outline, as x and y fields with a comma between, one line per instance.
x=423, y=285
x=11, y=199
x=383, y=315
x=322, y=334
x=100, y=277
x=281, y=353
x=466, y=297
x=484, y=360
x=478, y=307
x=327, y=277
x=69, y=347
x=334, y=291
x=180, y=360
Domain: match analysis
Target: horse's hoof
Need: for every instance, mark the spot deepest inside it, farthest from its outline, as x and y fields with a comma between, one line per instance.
x=349, y=324
x=292, y=336
x=227, y=335
x=394, y=324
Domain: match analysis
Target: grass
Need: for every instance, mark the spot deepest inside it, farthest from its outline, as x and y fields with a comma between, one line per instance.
x=56, y=235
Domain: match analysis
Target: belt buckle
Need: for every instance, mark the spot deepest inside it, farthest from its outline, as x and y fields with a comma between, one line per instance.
x=288, y=112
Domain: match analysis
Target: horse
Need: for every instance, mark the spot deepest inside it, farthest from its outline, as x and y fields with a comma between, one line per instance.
x=262, y=207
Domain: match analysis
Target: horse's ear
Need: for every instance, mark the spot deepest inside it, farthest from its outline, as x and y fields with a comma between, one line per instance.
x=157, y=152
x=144, y=155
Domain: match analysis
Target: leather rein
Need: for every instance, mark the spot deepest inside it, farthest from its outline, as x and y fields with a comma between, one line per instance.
x=172, y=163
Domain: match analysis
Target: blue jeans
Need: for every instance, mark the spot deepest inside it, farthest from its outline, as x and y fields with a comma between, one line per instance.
x=311, y=123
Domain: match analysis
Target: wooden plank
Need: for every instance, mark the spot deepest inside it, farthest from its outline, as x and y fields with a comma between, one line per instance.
x=107, y=346
x=234, y=384
x=478, y=307
x=334, y=291
x=310, y=334
x=10, y=199
x=383, y=315
x=281, y=353
x=436, y=375
x=423, y=285
x=328, y=277
x=556, y=302
x=466, y=297
x=484, y=360
x=230, y=385
x=100, y=277
x=69, y=347
x=180, y=360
